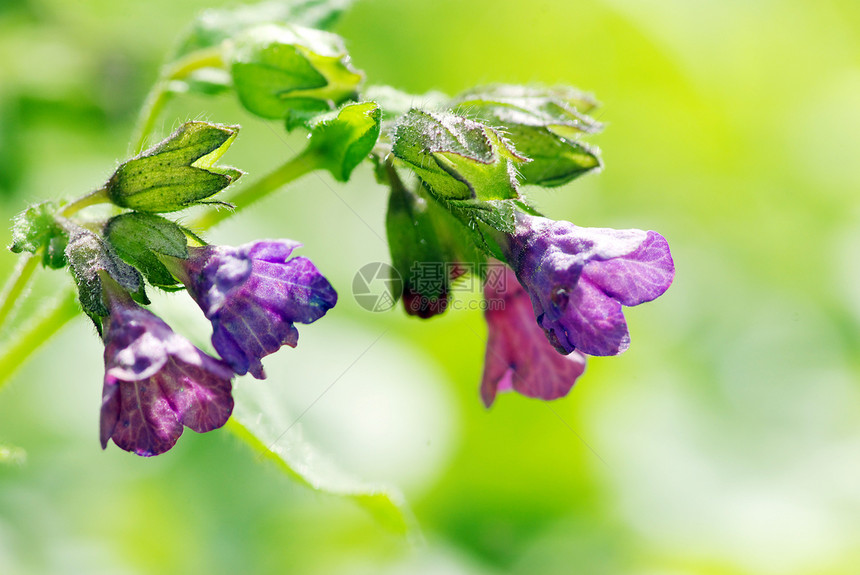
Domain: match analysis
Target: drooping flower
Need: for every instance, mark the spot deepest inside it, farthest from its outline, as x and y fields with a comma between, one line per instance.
x=156, y=381
x=578, y=279
x=253, y=295
x=518, y=356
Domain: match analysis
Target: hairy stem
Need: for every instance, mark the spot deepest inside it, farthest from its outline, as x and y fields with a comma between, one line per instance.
x=99, y=196
x=160, y=93
x=20, y=346
x=16, y=285
x=288, y=172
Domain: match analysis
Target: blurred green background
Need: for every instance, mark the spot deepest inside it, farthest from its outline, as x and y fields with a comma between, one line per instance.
x=725, y=441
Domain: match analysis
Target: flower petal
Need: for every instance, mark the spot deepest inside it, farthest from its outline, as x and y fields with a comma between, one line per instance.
x=592, y=323
x=518, y=356
x=147, y=424
x=200, y=395
x=638, y=277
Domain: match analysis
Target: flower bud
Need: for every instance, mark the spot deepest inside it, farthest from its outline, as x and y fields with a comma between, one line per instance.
x=176, y=173
x=416, y=253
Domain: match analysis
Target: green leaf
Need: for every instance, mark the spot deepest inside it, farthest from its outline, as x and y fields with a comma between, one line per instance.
x=342, y=140
x=177, y=172
x=260, y=420
x=89, y=256
x=455, y=157
x=543, y=124
x=214, y=27
x=138, y=237
x=36, y=229
x=550, y=99
x=284, y=71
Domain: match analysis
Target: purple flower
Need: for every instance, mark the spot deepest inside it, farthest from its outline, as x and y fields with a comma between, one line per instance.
x=156, y=381
x=518, y=355
x=578, y=279
x=253, y=296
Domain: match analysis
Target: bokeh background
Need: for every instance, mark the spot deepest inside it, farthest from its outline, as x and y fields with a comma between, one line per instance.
x=726, y=441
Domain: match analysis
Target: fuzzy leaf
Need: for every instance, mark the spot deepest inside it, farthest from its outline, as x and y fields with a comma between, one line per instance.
x=138, y=237
x=35, y=228
x=543, y=124
x=285, y=71
x=455, y=157
x=344, y=139
x=214, y=27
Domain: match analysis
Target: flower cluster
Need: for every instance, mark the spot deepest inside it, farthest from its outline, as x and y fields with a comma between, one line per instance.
x=156, y=381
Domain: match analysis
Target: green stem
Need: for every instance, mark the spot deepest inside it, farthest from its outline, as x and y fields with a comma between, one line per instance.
x=160, y=93
x=99, y=196
x=290, y=171
x=22, y=344
x=16, y=285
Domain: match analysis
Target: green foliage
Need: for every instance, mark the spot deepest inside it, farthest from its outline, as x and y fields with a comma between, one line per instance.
x=138, y=237
x=455, y=157
x=36, y=229
x=543, y=124
x=177, y=172
x=262, y=421
x=291, y=72
x=345, y=138
x=215, y=27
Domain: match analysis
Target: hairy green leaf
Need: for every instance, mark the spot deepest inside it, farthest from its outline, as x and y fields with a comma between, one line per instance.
x=281, y=71
x=342, y=140
x=213, y=28
x=89, y=256
x=543, y=124
x=138, y=237
x=457, y=158
x=36, y=229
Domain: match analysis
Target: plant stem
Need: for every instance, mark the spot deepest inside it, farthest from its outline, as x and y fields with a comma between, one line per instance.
x=22, y=344
x=99, y=196
x=160, y=93
x=288, y=172
x=16, y=284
